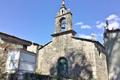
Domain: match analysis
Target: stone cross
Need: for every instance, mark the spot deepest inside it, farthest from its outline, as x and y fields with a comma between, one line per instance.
x=63, y=2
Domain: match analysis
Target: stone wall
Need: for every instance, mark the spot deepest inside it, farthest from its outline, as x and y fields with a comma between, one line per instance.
x=112, y=44
x=101, y=65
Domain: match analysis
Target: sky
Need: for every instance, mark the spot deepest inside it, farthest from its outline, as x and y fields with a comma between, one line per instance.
x=34, y=20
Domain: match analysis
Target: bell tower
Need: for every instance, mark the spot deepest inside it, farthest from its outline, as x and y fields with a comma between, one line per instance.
x=63, y=21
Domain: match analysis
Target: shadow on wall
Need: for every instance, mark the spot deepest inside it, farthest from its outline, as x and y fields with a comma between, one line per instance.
x=78, y=67
x=113, y=56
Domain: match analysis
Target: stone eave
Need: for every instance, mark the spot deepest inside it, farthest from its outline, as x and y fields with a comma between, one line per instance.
x=45, y=45
x=65, y=32
x=16, y=40
x=23, y=50
x=107, y=31
x=110, y=31
x=64, y=14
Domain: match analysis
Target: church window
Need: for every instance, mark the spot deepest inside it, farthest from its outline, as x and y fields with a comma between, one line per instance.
x=62, y=67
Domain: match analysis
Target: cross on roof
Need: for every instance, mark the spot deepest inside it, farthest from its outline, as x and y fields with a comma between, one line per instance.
x=63, y=2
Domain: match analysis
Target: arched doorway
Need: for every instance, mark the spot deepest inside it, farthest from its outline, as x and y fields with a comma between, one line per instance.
x=62, y=67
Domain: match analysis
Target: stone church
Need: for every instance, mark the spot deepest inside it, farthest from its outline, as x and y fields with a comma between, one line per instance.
x=71, y=57
x=65, y=57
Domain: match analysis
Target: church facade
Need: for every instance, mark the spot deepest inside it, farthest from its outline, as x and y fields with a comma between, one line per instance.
x=71, y=57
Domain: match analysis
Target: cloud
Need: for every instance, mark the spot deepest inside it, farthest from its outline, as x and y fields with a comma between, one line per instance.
x=83, y=26
x=113, y=25
x=92, y=36
x=113, y=17
x=97, y=22
x=79, y=23
x=113, y=21
x=100, y=35
x=100, y=25
x=84, y=36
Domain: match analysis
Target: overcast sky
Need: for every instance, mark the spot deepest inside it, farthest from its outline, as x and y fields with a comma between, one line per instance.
x=34, y=19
